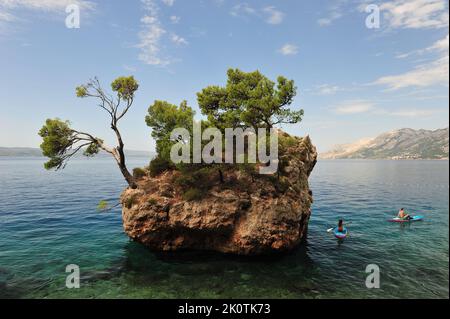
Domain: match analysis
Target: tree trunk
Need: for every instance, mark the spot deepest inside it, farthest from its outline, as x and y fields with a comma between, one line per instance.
x=121, y=158
x=221, y=176
x=128, y=177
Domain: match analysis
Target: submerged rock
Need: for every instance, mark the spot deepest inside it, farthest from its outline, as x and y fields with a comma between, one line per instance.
x=245, y=215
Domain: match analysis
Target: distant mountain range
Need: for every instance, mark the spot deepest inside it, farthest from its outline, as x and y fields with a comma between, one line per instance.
x=36, y=152
x=399, y=144
x=20, y=151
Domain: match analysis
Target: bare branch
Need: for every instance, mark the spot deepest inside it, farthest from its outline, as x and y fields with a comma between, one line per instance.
x=129, y=104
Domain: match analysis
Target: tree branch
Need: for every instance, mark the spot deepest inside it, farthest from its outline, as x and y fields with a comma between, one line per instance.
x=129, y=103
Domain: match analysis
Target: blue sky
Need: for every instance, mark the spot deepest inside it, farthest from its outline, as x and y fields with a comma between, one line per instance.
x=353, y=81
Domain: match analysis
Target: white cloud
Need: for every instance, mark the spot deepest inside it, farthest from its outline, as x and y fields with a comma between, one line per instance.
x=168, y=2
x=409, y=113
x=414, y=113
x=288, y=49
x=6, y=17
x=150, y=36
x=129, y=68
x=219, y=2
x=330, y=19
x=438, y=46
x=335, y=12
x=274, y=16
x=175, y=19
x=8, y=7
x=242, y=9
x=428, y=74
x=270, y=14
x=45, y=5
x=354, y=107
x=422, y=76
x=178, y=40
x=403, y=55
x=327, y=89
x=415, y=14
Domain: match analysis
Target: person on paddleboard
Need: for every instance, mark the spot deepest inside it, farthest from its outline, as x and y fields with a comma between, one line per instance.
x=340, y=226
x=402, y=214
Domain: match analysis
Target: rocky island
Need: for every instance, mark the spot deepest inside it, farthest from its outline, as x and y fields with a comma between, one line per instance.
x=247, y=215
x=197, y=200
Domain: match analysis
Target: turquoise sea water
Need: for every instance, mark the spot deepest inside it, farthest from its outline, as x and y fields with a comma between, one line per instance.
x=49, y=220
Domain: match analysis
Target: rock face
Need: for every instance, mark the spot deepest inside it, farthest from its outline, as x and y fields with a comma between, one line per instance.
x=244, y=216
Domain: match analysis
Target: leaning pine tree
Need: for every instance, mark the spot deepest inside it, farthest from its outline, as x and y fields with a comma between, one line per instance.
x=61, y=142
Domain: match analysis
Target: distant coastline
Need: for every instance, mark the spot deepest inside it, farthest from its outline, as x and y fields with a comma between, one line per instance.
x=36, y=152
x=20, y=152
x=403, y=144
x=382, y=159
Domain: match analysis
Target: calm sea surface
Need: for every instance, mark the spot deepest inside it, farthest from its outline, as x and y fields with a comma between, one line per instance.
x=49, y=220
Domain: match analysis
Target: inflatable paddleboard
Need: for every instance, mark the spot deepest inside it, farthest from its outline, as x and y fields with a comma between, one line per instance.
x=404, y=220
x=340, y=235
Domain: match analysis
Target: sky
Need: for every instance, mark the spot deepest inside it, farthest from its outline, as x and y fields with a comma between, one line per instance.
x=355, y=80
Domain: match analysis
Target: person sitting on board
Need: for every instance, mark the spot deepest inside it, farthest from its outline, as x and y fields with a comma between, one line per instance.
x=403, y=215
x=340, y=226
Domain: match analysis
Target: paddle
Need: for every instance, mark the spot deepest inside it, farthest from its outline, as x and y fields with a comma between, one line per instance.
x=331, y=229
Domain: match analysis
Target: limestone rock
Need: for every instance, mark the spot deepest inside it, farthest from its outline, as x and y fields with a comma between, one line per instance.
x=255, y=216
